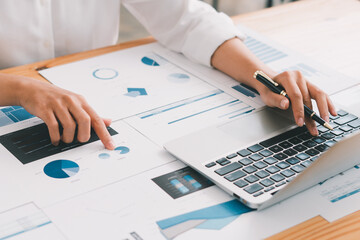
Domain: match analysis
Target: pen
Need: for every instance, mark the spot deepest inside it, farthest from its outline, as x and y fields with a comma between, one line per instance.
x=276, y=88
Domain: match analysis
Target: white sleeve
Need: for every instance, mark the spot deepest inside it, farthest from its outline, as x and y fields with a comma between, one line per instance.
x=191, y=27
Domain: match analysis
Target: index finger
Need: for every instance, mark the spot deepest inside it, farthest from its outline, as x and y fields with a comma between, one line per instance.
x=100, y=129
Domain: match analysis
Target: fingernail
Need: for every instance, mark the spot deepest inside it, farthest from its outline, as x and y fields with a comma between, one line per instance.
x=283, y=104
x=315, y=131
x=300, y=122
x=327, y=119
x=111, y=145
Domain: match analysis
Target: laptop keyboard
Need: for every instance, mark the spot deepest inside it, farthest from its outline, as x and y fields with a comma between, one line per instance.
x=272, y=163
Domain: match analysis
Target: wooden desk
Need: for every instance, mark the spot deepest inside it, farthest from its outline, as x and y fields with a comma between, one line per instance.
x=327, y=30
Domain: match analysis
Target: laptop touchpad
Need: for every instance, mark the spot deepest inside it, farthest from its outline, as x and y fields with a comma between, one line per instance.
x=257, y=126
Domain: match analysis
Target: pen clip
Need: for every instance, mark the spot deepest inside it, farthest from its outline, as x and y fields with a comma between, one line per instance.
x=265, y=76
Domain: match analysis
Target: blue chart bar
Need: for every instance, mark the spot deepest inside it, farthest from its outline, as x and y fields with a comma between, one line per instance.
x=179, y=186
x=305, y=69
x=345, y=196
x=263, y=51
x=10, y=115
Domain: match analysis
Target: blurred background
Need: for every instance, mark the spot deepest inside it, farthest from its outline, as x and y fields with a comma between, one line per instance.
x=131, y=29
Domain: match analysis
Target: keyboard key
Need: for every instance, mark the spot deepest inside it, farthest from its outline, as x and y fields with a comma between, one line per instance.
x=277, y=177
x=225, y=163
x=255, y=148
x=276, y=149
x=241, y=183
x=272, y=169
x=290, y=152
x=282, y=165
x=314, y=158
x=295, y=140
x=245, y=161
x=312, y=152
x=270, y=160
x=347, y=128
x=250, y=169
x=266, y=182
x=355, y=124
x=282, y=137
x=321, y=148
x=337, y=132
x=251, y=179
x=280, y=156
x=209, y=165
x=342, y=113
x=300, y=148
x=339, y=138
x=244, y=152
x=235, y=175
x=330, y=143
x=227, y=169
x=262, y=174
x=280, y=184
x=253, y=188
x=305, y=136
x=318, y=140
x=258, y=194
x=328, y=135
x=333, y=125
x=285, y=144
x=302, y=156
x=298, y=168
x=309, y=144
x=269, y=189
x=221, y=160
x=334, y=117
x=256, y=157
x=266, y=153
x=346, y=119
x=292, y=160
x=260, y=165
x=287, y=173
x=322, y=129
x=231, y=156
x=306, y=163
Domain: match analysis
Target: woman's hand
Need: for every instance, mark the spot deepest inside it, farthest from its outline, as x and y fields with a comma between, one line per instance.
x=300, y=92
x=53, y=105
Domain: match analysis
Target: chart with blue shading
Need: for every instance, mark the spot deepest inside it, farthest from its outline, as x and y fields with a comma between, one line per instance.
x=263, y=51
x=211, y=218
x=182, y=182
x=344, y=188
x=104, y=156
x=178, y=77
x=122, y=150
x=13, y=114
x=149, y=61
x=105, y=73
x=135, y=92
x=247, y=91
x=61, y=169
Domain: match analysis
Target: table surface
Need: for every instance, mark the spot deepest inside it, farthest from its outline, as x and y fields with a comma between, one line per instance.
x=325, y=30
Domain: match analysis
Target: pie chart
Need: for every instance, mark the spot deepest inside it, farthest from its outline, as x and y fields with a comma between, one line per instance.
x=105, y=73
x=178, y=78
x=61, y=169
x=122, y=150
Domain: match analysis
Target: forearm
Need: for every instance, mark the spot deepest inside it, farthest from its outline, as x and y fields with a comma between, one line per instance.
x=10, y=88
x=237, y=61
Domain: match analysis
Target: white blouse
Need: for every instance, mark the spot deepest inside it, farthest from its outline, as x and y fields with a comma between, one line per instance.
x=34, y=30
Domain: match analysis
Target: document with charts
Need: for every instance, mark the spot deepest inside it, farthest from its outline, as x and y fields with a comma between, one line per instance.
x=153, y=95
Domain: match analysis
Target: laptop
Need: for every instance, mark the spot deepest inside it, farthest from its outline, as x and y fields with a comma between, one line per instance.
x=263, y=158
